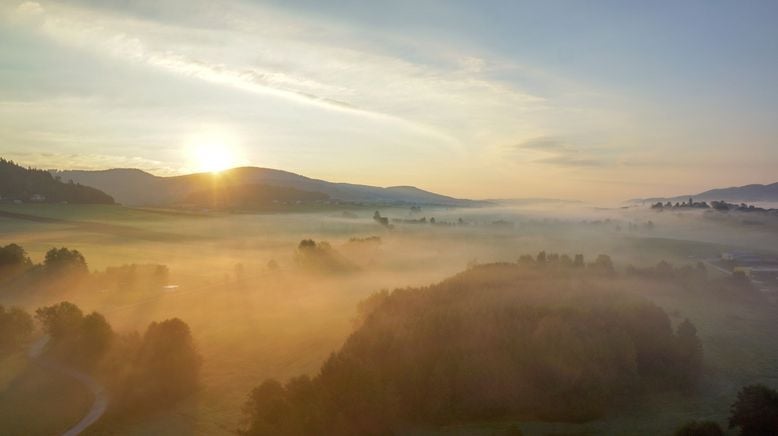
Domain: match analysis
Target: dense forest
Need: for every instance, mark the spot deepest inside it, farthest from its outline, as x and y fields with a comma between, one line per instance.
x=549, y=338
x=29, y=184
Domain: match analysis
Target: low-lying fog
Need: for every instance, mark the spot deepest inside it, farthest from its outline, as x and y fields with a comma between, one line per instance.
x=260, y=307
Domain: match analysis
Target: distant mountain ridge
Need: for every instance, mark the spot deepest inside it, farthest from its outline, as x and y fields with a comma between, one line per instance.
x=746, y=193
x=18, y=183
x=139, y=188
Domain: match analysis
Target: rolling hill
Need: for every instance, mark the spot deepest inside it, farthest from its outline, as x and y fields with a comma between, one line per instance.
x=28, y=184
x=735, y=194
x=138, y=188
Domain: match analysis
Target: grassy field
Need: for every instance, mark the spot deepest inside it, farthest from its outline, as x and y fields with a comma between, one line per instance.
x=37, y=401
x=286, y=323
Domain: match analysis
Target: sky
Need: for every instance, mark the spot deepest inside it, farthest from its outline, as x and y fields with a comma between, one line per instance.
x=596, y=100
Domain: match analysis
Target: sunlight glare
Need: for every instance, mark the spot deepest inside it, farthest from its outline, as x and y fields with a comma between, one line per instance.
x=212, y=153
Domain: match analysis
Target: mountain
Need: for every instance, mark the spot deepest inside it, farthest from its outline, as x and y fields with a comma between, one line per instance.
x=735, y=194
x=29, y=184
x=136, y=187
x=254, y=196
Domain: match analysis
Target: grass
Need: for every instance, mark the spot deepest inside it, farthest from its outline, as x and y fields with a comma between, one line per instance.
x=89, y=212
x=38, y=401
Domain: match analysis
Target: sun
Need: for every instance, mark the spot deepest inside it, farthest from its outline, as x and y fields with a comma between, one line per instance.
x=212, y=154
x=213, y=158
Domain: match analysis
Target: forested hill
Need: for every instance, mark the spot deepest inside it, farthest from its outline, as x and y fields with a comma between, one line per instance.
x=736, y=194
x=29, y=184
x=135, y=187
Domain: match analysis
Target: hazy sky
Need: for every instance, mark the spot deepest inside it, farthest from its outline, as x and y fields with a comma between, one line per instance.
x=595, y=100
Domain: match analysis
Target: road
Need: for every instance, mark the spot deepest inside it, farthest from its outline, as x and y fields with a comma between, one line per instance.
x=100, y=402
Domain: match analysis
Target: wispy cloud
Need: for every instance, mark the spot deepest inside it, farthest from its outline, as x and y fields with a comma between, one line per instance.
x=453, y=106
x=319, y=96
x=88, y=161
x=558, y=152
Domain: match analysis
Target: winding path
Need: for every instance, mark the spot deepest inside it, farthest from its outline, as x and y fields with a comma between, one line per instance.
x=100, y=402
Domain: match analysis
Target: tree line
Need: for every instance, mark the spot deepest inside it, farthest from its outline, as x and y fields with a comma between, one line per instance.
x=30, y=184
x=497, y=341
x=57, y=262
x=63, y=267
x=754, y=413
x=144, y=373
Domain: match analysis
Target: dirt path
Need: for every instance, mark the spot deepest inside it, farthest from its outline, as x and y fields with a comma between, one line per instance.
x=100, y=402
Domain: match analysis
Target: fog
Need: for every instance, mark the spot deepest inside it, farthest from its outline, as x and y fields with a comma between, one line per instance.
x=261, y=305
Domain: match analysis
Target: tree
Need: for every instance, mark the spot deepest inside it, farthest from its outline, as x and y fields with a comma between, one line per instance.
x=689, y=353
x=384, y=221
x=721, y=206
x=15, y=327
x=19, y=183
x=60, y=320
x=96, y=335
x=168, y=361
x=700, y=428
x=579, y=261
x=603, y=265
x=62, y=260
x=493, y=342
x=269, y=411
x=664, y=269
x=161, y=275
x=12, y=256
x=306, y=244
x=81, y=339
x=755, y=411
x=321, y=257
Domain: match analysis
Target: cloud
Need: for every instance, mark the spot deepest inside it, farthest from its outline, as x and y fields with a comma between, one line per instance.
x=30, y=8
x=549, y=150
x=307, y=65
x=543, y=143
x=572, y=160
x=329, y=98
x=87, y=161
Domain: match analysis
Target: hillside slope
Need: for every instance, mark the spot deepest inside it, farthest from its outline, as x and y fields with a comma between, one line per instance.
x=736, y=194
x=29, y=184
x=136, y=187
